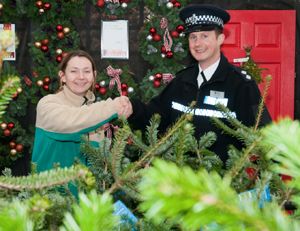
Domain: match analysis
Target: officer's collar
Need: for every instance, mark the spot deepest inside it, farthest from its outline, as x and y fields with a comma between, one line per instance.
x=219, y=75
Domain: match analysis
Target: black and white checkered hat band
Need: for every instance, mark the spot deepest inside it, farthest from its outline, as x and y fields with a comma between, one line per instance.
x=203, y=19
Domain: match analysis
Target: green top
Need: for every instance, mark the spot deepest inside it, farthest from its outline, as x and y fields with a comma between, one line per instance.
x=62, y=120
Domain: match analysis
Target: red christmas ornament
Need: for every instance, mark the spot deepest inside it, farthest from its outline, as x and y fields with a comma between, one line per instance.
x=12, y=144
x=177, y=4
x=156, y=83
x=124, y=87
x=44, y=48
x=289, y=211
x=39, y=4
x=59, y=58
x=7, y=132
x=124, y=1
x=10, y=125
x=152, y=31
x=46, y=80
x=174, y=34
x=59, y=28
x=125, y=93
x=285, y=178
x=64, y=54
x=163, y=49
x=156, y=37
x=47, y=6
x=173, y=1
x=100, y=3
x=253, y=158
x=251, y=172
x=180, y=28
x=19, y=147
x=46, y=87
x=45, y=41
x=97, y=86
x=169, y=54
x=60, y=35
x=158, y=76
x=102, y=90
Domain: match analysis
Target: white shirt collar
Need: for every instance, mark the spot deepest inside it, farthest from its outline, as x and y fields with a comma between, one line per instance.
x=208, y=72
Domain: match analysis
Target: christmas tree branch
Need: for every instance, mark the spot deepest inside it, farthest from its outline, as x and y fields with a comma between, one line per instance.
x=262, y=102
x=202, y=200
x=47, y=179
x=238, y=165
x=153, y=151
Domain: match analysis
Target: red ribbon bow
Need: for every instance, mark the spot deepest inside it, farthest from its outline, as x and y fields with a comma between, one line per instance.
x=109, y=129
x=115, y=75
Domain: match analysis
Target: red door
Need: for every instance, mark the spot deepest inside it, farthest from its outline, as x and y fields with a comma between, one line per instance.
x=271, y=33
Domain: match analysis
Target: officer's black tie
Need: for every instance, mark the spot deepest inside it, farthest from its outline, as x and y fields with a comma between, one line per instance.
x=203, y=76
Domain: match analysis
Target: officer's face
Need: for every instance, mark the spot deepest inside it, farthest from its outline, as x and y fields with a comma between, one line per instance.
x=205, y=47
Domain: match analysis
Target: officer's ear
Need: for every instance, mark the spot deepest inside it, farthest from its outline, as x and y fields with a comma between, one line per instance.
x=220, y=39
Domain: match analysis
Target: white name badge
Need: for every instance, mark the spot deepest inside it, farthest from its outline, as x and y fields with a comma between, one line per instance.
x=214, y=101
x=217, y=94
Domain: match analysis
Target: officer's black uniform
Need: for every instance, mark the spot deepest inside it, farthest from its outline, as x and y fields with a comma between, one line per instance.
x=228, y=85
x=242, y=94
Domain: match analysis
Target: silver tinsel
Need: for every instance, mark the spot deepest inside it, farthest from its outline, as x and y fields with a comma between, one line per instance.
x=178, y=48
x=151, y=49
x=162, y=2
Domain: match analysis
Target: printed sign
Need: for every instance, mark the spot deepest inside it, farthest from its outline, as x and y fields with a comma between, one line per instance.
x=7, y=41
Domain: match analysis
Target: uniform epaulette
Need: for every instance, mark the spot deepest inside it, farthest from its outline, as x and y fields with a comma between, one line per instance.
x=185, y=68
x=242, y=73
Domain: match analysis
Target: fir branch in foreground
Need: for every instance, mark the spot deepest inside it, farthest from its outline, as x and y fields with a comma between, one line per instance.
x=262, y=102
x=46, y=179
x=152, y=130
x=238, y=165
x=204, y=200
x=121, y=180
x=94, y=212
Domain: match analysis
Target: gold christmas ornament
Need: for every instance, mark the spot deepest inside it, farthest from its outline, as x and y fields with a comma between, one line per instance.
x=13, y=152
x=59, y=51
x=39, y=83
x=66, y=30
x=37, y=44
x=3, y=126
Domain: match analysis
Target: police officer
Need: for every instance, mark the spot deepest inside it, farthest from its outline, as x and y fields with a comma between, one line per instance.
x=209, y=81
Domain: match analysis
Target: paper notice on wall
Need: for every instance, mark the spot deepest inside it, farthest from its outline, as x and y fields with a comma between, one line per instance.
x=8, y=41
x=114, y=39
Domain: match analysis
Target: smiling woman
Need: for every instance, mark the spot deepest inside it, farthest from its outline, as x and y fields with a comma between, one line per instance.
x=63, y=118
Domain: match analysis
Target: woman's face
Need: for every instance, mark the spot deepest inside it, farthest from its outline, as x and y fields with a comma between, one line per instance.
x=78, y=76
